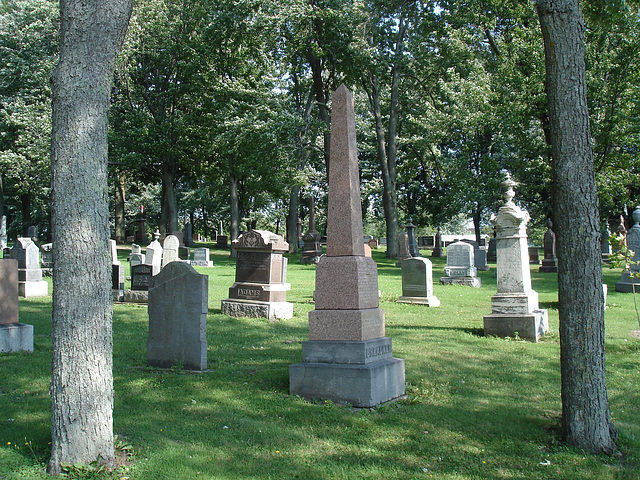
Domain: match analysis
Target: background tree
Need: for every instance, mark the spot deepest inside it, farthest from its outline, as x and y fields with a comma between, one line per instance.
x=91, y=34
x=585, y=405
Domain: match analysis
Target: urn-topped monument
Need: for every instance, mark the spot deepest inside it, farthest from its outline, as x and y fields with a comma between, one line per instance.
x=514, y=308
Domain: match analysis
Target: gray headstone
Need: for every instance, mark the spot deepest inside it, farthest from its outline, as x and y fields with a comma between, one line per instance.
x=417, y=282
x=178, y=306
x=8, y=291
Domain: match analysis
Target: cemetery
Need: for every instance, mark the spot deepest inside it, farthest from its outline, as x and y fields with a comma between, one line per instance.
x=474, y=405
x=319, y=240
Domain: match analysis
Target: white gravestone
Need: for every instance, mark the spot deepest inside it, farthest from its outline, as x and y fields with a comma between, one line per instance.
x=201, y=257
x=460, y=269
x=170, y=250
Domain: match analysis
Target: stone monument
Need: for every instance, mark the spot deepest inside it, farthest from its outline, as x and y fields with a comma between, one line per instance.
x=14, y=336
x=178, y=306
x=3, y=232
x=514, y=308
x=549, y=261
x=30, y=283
x=414, y=251
x=260, y=288
x=117, y=273
x=201, y=257
x=170, y=248
x=136, y=257
x=311, y=250
x=153, y=254
x=417, y=282
x=347, y=358
x=630, y=281
x=437, y=245
x=604, y=242
x=404, y=251
x=460, y=269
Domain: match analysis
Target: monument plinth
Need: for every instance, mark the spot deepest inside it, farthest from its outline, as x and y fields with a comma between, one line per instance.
x=514, y=308
x=347, y=358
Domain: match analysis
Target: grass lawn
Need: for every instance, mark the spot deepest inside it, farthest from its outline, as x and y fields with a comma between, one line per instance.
x=476, y=407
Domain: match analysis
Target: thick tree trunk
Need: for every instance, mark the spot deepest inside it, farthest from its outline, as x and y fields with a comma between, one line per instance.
x=91, y=33
x=169, y=204
x=292, y=220
x=25, y=199
x=389, y=200
x=234, y=206
x=121, y=235
x=585, y=405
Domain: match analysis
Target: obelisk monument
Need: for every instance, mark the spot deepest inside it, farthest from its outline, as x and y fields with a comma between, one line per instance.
x=347, y=358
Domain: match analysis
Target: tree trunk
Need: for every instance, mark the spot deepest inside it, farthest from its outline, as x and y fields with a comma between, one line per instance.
x=585, y=405
x=91, y=34
x=292, y=220
x=120, y=226
x=234, y=205
x=25, y=199
x=169, y=204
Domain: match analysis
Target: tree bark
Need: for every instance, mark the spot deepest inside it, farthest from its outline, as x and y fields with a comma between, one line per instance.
x=121, y=235
x=91, y=34
x=25, y=200
x=169, y=204
x=585, y=404
x=234, y=205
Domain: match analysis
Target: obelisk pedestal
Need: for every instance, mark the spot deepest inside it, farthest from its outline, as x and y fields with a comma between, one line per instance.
x=347, y=358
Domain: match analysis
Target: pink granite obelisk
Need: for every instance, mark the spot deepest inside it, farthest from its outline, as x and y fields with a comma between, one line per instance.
x=347, y=358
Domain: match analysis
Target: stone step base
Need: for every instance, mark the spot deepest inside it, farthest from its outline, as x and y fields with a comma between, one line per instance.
x=245, y=308
x=529, y=326
x=357, y=385
x=16, y=337
x=428, y=301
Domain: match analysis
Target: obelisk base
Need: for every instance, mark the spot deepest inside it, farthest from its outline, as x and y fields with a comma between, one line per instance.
x=361, y=374
x=16, y=337
x=529, y=326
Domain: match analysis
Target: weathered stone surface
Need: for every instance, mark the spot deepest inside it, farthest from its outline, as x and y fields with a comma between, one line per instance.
x=354, y=325
x=16, y=337
x=417, y=282
x=178, y=306
x=346, y=329
x=8, y=291
x=358, y=385
x=346, y=283
x=170, y=250
x=253, y=309
x=514, y=308
x=341, y=351
x=529, y=326
x=141, y=276
x=344, y=216
x=136, y=296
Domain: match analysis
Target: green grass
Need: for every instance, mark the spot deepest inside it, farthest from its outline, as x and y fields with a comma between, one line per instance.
x=477, y=407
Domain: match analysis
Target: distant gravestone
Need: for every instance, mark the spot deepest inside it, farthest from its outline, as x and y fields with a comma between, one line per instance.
x=606, y=246
x=403, y=247
x=260, y=288
x=188, y=235
x=170, y=250
x=222, y=241
x=411, y=237
x=136, y=257
x=141, y=234
x=46, y=256
x=461, y=269
x=549, y=261
x=201, y=258
x=629, y=281
x=514, y=308
x=534, y=255
x=311, y=248
x=114, y=252
x=14, y=336
x=417, y=282
x=141, y=276
x=30, y=283
x=153, y=254
x=178, y=306
x=437, y=245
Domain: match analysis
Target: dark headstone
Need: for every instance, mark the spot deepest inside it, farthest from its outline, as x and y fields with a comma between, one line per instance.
x=141, y=276
x=549, y=261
